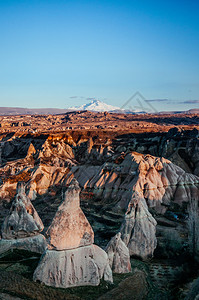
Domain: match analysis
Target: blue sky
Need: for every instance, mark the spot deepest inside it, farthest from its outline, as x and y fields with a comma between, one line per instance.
x=60, y=53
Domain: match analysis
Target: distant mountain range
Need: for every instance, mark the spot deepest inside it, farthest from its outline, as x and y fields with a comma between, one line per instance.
x=190, y=111
x=94, y=105
x=9, y=111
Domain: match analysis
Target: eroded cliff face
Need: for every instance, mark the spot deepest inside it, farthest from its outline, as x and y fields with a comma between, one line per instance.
x=155, y=179
x=118, y=186
x=147, y=188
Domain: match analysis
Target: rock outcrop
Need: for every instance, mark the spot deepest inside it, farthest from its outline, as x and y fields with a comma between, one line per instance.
x=70, y=229
x=78, y=262
x=138, y=230
x=118, y=255
x=23, y=220
x=109, y=174
x=75, y=267
x=141, y=184
x=21, y=228
x=36, y=243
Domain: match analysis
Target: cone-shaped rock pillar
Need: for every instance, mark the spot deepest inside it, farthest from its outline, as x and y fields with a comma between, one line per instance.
x=139, y=228
x=118, y=254
x=23, y=220
x=21, y=228
x=70, y=229
x=78, y=262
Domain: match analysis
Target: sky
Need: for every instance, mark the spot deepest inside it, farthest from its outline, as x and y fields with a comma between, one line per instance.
x=64, y=53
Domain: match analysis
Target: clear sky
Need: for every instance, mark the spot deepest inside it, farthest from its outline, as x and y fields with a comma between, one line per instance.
x=58, y=53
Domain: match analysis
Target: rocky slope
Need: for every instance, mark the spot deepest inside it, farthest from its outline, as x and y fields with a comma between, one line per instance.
x=89, y=120
x=127, y=188
x=115, y=184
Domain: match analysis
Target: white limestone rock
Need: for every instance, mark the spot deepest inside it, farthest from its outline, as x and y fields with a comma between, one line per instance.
x=35, y=243
x=139, y=228
x=76, y=267
x=23, y=220
x=118, y=255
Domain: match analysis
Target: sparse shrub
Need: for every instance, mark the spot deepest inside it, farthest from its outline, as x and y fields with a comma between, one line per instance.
x=173, y=242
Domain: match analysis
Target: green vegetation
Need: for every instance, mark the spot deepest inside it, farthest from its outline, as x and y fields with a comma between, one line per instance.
x=16, y=271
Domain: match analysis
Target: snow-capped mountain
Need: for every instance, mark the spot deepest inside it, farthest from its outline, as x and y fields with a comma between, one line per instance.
x=96, y=105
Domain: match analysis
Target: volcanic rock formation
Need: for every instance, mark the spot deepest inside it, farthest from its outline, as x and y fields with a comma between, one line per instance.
x=70, y=229
x=22, y=227
x=141, y=185
x=118, y=254
x=109, y=174
x=78, y=262
x=139, y=228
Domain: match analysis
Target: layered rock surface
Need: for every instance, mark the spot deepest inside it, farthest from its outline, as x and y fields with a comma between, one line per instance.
x=78, y=262
x=137, y=184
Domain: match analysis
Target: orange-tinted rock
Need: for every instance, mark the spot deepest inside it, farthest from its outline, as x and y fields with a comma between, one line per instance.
x=78, y=262
x=70, y=229
x=31, y=150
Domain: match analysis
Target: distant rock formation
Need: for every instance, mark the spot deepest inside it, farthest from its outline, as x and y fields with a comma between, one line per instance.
x=118, y=254
x=31, y=150
x=35, y=243
x=78, y=262
x=22, y=227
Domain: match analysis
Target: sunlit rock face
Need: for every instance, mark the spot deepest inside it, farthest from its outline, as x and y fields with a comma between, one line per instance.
x=74, y=260
x=70, y=229
x=110, y=173
x=23, y=220
x=145, y=188
x=156, y=179
x=21, y=228
x=118, y=254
